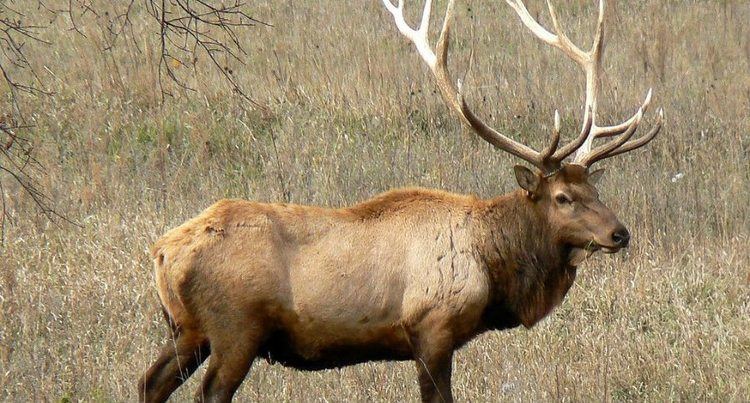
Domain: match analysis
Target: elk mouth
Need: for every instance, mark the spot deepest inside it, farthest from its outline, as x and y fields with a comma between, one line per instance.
x=594, y=246
x=577, y=254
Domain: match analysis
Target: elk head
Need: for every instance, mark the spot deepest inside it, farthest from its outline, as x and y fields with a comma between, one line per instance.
x=563, y=191
x=569, y=203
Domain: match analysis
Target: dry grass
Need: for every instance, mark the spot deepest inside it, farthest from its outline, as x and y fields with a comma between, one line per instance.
x=350, y=112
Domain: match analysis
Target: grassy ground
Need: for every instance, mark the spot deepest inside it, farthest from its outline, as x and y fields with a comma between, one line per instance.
x=349, y=111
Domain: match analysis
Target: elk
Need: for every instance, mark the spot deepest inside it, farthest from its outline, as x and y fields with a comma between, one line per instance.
x=411, y=274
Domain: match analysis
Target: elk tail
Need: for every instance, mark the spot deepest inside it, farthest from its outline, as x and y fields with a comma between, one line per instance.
x=171, y=304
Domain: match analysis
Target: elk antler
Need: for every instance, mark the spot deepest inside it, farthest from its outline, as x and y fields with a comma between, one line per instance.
x=551, y=157
x=438, y=64
x=590, y=62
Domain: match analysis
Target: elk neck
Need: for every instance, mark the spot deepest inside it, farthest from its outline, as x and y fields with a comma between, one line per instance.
x=526, y=265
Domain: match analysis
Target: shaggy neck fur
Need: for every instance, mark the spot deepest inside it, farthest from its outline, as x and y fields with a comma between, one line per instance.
x=527, y=267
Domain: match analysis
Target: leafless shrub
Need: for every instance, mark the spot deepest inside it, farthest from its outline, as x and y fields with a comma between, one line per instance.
x=188, y=28
x=18, y=35
x=16, y=29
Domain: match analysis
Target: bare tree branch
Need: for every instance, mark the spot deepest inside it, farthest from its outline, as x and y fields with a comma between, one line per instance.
x=19, y=34
x=188, y=28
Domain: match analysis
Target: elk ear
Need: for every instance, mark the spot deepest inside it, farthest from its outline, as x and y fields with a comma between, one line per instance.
x=527, y=179
x=595, y=176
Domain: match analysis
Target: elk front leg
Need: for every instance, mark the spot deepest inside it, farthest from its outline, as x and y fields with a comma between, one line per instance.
x=180, y=357
x=433, y=353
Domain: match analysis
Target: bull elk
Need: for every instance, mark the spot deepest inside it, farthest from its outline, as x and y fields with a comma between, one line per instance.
x=410, y=274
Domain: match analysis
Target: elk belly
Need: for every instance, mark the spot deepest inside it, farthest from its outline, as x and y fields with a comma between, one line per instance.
x=314, y=345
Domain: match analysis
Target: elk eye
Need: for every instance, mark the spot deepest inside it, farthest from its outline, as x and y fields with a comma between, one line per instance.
x=563, y=199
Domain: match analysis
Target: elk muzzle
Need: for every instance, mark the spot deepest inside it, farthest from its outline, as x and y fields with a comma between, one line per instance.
x=621, y=237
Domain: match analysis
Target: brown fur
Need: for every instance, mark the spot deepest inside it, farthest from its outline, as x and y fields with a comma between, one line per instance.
x=410, y=274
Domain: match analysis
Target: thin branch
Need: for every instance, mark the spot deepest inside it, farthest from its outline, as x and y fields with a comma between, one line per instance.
x=188, y=28
x=20, y=35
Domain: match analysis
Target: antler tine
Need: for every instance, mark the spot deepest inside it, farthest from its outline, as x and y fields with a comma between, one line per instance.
x=602, y=151
x=559, y=41
x=571, y=147
x=640, y=142
x=548, y=151
x=608, y=131
x=449, y=91
x=564, y=43
x=416, y=36
x=599, y=35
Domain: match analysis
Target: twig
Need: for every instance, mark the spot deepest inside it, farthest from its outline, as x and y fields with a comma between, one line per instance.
x=188, y=28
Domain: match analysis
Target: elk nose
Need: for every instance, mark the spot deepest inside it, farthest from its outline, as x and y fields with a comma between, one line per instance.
x=621, y=237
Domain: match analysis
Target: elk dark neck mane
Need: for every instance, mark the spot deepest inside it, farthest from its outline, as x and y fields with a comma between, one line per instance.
x=528, y=268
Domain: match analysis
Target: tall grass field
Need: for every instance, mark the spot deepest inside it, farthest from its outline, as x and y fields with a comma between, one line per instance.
x=344, y=109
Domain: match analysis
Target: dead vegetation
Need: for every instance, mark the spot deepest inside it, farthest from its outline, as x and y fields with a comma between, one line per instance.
x=346, y=112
